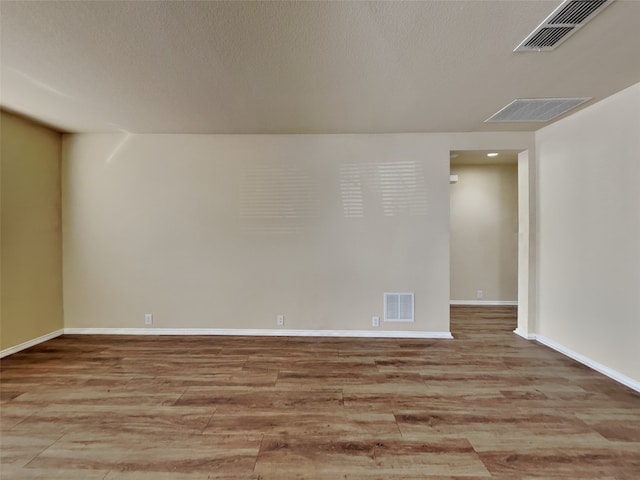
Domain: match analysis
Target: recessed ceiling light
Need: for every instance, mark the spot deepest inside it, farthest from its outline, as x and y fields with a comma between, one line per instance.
x=493, y=154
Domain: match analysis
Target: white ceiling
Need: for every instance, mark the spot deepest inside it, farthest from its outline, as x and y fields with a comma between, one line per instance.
x=299, y=67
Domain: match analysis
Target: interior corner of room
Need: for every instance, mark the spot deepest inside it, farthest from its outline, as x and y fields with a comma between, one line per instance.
x=31, y=233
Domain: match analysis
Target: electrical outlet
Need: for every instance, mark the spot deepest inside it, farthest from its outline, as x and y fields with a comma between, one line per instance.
x=148, y=319
x=280, y=320
x=479, y=294
x=375, y=321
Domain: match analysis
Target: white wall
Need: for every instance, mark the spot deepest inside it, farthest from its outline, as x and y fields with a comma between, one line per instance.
x=484, y=232
x=589, y=232
x=229, y=231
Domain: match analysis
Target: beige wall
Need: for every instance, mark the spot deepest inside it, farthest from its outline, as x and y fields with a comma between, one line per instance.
x=484, y=232
x=31, y=243
x=589, y=232
x=230, y=231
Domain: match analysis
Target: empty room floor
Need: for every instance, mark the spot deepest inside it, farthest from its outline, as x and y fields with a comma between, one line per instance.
x=487, y=404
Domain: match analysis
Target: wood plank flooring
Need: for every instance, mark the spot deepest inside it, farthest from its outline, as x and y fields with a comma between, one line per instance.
x=488, y=404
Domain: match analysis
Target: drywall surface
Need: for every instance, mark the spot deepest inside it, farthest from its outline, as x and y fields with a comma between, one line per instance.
x=484, y=233
x=589, y=232
x=230, y=231
x=31, y=238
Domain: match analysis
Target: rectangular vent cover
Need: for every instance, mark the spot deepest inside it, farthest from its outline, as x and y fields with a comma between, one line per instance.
x=398, y=307
x=563, y=22
x=535, y=109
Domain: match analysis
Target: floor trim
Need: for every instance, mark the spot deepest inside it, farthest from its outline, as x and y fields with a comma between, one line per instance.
x=257, y=332
x=523, y=334
x=30, y=343
x=598, y=367
x=484, y=302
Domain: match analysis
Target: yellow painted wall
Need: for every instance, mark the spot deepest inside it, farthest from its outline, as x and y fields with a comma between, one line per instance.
x=31, y=234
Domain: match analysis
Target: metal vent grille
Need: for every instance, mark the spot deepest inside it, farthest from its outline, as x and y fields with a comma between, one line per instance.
x=576, y=11
x=563, y=22
x=548, y=37
x=398, y=307
x=536, y=109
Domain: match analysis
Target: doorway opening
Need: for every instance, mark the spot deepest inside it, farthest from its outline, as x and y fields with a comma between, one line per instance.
x=486, y=232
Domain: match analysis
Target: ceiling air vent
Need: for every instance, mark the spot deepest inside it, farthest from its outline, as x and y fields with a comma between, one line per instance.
x=536, y=109
x=563, y=22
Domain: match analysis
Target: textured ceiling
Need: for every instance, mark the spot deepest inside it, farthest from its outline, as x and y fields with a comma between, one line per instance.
x=299, y=67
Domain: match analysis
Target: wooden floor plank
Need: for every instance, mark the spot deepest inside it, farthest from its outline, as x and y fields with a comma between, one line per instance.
x=235, y=454
x=335, y=424
x=342, y=457
x=245, y=398
x=18, y=449
x=618, y=460
x=162, y=420
x=26, y=473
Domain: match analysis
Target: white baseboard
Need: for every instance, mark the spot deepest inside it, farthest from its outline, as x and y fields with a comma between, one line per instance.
x=484, y=302
x=257, y=332
x=598, y=367
x=523, y=334
x=30, y=343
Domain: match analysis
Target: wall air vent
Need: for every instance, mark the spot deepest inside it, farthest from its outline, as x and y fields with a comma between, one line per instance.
x=535, y=109
x=563, y=22
x=398, y=307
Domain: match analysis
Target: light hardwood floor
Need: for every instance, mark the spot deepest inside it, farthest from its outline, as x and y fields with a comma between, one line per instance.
x=485, y=405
